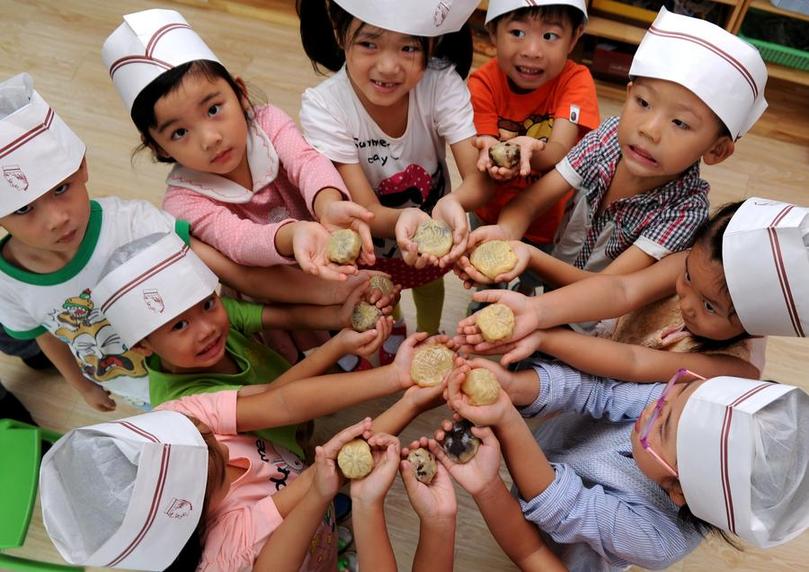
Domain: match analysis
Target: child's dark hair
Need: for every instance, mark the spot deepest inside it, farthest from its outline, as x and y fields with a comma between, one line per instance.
x=554, y=13
x=324, y=34
x=143, y=114
x=687, y=518
x=711, y=234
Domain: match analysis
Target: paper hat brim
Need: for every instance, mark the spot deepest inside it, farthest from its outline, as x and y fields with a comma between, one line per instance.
x=145, y=46
x=156, y=285
x=427, y=18
x=766, y=262
x=166, y=501
x=37, y=152
x=499, y=7
x=716, y=438
x=724, y=71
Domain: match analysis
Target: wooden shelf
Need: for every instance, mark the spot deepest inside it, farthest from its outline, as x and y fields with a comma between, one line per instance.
x=767, y=6
x=614, y=30
x=788, y=74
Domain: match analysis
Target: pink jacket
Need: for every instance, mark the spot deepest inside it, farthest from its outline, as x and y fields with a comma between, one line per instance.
x=287, y=175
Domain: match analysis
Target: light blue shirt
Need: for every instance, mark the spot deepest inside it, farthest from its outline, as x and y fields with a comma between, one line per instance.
x=600, y=502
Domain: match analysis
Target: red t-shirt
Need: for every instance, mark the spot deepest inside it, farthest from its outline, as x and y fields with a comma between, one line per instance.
x=502, y=113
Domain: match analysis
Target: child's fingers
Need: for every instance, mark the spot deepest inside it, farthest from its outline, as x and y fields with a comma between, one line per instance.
x=333, y=445
x=414, y=339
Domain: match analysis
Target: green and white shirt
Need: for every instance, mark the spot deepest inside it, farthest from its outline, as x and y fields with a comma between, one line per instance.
x=61, y=302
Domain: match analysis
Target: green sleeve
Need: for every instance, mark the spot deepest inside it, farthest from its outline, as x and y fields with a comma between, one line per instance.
x=183, y=229
x=244, y=316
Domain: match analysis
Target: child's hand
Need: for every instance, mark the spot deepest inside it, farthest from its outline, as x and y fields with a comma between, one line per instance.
x=480, y=470
x=365, y=343
x=528, y=146
x=373, y=488
x=404, y=358
x=348, y=214
x=525, y=318
x=97, y=397
x=327, y=479
x=385, y=302
x=431, y=502
x=423, y=399
x=484, y=142
x=488, y=415
x=449, y=210
x=310, y=245
x=406, y=226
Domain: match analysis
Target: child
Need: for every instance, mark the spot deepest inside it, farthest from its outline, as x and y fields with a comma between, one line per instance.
x=244, y=177
x=59, y=241
x=385, y=119
x=160, y=298
x=532, y=95
x=251, y=502
x=638, y=192
x=637, y=474
x=703, y=309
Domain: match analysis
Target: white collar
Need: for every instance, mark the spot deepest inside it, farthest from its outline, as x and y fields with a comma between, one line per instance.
x=261, y=158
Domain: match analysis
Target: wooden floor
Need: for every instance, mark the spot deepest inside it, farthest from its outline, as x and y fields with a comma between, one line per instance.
x=59, y=43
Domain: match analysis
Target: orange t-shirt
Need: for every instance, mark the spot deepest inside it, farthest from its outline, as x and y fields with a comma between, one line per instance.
x=502, y=113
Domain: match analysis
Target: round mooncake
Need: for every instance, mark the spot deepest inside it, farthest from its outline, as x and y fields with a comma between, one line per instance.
x=433, y=237
x=344, y=246
x=459, y=443
x=364, y=317
x=496, y=322
x=423, y=464
x=505, y=154
x=493, y=258
x=382, y=283
x=481, y=387
x=431, y=363
x=355, y=459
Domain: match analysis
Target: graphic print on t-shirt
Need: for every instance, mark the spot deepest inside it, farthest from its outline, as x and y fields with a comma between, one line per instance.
x=536, y=126
x=412, y=187
x=101, y=354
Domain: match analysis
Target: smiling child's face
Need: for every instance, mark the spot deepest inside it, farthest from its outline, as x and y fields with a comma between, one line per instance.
x=194, y=341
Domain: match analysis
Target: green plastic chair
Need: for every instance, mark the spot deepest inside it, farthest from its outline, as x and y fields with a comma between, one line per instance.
x=20, y=446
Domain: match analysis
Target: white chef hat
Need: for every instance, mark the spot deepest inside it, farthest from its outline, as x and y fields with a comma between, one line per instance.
x=765, y=253
x=146, y=45
x=127, y=493
x=37, y=149
x=743, y=457
x=724, y=71
x=158, y=283
x=500, y=7
x=428, y=18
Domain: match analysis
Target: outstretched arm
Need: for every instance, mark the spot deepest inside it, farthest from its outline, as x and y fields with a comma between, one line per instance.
x=628, y=362
x=517, y=215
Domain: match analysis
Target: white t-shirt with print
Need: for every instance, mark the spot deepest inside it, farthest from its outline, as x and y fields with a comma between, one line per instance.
x=61, y=303
x=406, y=171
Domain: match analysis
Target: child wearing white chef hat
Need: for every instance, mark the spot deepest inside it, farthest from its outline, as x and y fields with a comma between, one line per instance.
x=142, y=493
x=245, y=166
x=707, y=309
x=694, y=90
x=632, y=474
x=385, y=118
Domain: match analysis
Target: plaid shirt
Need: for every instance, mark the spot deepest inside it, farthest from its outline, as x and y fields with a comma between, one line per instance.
x=659, y=221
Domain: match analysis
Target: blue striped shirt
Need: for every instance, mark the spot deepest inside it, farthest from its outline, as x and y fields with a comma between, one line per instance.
x=600, y=502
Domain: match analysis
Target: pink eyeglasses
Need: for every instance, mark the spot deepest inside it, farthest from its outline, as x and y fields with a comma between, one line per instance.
x=644, y=434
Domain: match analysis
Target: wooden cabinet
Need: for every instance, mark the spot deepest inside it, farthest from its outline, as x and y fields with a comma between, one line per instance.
x=609, y=27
